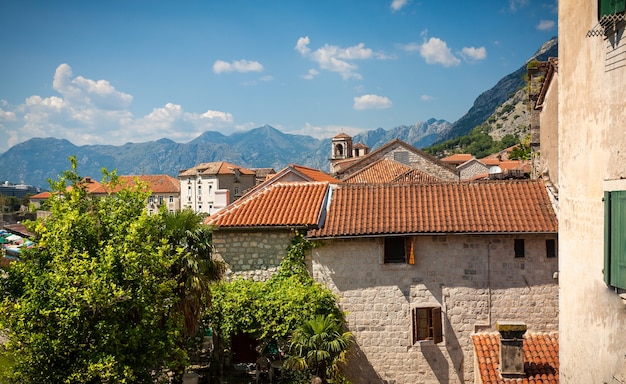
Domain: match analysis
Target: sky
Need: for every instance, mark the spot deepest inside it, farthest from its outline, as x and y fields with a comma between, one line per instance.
x=118, y=71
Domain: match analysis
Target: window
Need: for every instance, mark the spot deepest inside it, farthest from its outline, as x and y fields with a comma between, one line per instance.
x=150, y=199
x=550, y=248
x=615, y=239
x=398, y=249
x=189, y=190
x=171, y=199
x=519, y=248
x=610, y=7
x=236, y=191
x=160, y=199
x=199, y=189
x=401, y=157
x=427, y=324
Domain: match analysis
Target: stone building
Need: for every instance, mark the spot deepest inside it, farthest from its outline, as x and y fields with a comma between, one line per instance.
x=346, y=161
x=592, y=184
x=417, y=267
x=209, y=187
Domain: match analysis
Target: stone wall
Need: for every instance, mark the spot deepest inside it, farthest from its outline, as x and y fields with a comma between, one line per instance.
x=251, y=254
x=476, y=280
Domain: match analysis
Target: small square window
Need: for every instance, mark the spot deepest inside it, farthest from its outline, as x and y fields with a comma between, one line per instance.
x=398, y=249
x=550, y=248
x=519, y=248
x=427, y=324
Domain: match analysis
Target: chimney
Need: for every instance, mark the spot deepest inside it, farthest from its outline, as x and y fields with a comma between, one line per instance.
x=511, y=348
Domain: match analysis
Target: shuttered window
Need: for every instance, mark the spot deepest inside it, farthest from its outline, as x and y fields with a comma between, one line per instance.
x=615, y=239
x=427, y=324
x=610, y=7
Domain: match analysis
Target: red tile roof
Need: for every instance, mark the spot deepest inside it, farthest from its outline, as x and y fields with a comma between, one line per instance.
x=297, y=204
x=156, y=184
x=479, y=207
x=416, y=176
x=541, y=358
x=457, y=158
x=380, y=171
x=215, y=168
x=314, y=174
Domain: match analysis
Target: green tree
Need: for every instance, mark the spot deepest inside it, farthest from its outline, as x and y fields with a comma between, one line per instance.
x=319, y=345
x=193, y=270
x=92, y=303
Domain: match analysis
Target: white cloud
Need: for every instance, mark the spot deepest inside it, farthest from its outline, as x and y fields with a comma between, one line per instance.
x=396, y=5
x=436, y=51
x=545, y=25
x=241, y=66
x=371, y=102
x=94, y=112
x=514, y=5
x=426, y=97
x=78, y=90
x=336, y=59
x=310, y=74
x=474, y=54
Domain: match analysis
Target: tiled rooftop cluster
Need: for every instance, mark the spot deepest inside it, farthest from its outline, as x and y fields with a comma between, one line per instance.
x=541, y=358
x=368, y=209
x=389, y=171
x=155, y=183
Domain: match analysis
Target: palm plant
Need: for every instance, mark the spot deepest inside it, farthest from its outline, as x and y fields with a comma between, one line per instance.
x=194, y=268
x=319, y=345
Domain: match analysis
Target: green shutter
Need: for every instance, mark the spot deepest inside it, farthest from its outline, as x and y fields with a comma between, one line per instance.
x=610, y=7
x=617, y=243
x=607, y=238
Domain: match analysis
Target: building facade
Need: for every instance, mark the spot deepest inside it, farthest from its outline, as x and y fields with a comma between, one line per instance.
x=591, y=179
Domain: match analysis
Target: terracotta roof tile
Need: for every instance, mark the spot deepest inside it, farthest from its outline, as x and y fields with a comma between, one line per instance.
x=156, y=184
x=314, y=174
x=280, y=204
x=215, y=168
x=380, y=171
x=416, y=176
x=479, y=207
x=541, y=358
x=457, y=158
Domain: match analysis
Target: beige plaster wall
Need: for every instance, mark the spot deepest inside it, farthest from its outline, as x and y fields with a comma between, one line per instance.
x=548, y=133
x=592, y=96
x=475, y=279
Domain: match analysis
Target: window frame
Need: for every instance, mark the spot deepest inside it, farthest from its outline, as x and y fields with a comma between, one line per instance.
x=551, y=248
x=519, y=248
x=427, y=324
x=398, y=245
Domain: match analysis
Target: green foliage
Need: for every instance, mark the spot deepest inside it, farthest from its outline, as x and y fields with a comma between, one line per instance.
x=272, y=309
x=478, y=142
x=97, y=301
x=521, y=151
x=319, y=345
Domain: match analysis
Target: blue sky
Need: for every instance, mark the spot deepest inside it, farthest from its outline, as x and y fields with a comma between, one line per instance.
x=111, y=72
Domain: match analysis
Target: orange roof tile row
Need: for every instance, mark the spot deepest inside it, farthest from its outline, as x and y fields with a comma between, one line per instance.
x=481, y=207
x=280, y=204
x=541, y=358
x=415, y=176
x=156, y=184
x=380, y=171
x=457, y=158
x=314, y=174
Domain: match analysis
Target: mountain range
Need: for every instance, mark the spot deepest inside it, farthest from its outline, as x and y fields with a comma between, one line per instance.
x=35, y=161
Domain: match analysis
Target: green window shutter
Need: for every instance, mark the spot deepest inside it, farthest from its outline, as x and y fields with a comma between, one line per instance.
x=610, y=7
x=617, y=242
x=607, y=238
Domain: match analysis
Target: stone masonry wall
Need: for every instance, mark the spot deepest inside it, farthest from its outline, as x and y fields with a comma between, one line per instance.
x=251, y=255
x=476, y=280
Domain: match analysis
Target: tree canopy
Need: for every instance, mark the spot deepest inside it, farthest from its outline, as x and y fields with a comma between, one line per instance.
x=100, y=298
